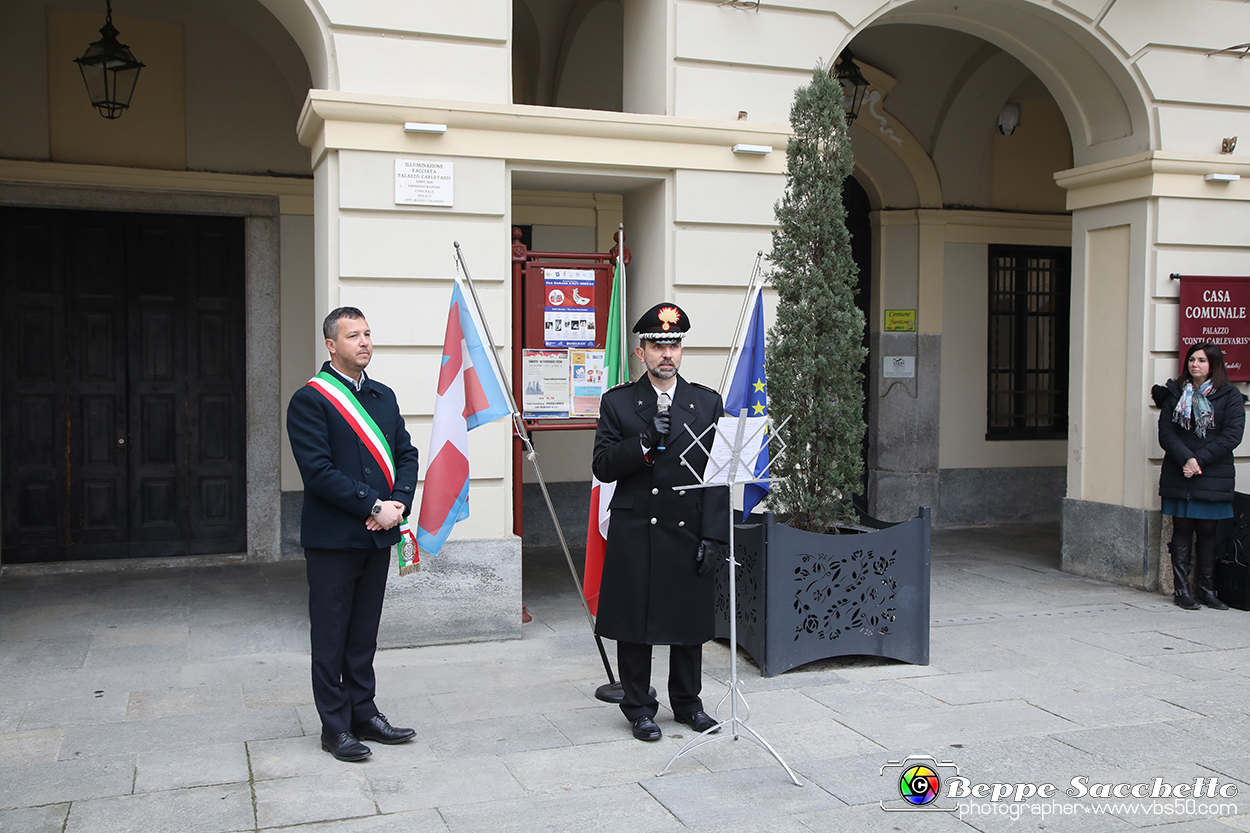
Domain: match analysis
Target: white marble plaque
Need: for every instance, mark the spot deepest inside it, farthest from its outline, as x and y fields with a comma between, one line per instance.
x=899, y=367
x=422, y=182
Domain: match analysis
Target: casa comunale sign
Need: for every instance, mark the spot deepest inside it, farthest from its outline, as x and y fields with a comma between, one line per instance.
x=1214, y=310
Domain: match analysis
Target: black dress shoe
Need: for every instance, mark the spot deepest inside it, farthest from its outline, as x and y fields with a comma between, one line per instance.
x=378, y=729
x=344, y=747
x=700, y=721
x=645, y=728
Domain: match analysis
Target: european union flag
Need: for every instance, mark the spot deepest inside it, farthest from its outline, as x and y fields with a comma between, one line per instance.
x=748, y=389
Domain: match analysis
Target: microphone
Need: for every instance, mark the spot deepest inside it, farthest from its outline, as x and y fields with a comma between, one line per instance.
x=661, y=406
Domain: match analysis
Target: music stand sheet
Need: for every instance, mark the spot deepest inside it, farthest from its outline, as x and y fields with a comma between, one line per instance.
x=754, y=436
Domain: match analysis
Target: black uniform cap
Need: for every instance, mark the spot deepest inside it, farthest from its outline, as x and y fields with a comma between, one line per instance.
x=663, y=324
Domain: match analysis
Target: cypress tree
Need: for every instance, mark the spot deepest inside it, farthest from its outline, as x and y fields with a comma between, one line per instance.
x=816, y=344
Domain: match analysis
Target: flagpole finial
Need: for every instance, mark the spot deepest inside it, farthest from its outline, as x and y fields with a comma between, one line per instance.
x=456, y=243
x=760, y=253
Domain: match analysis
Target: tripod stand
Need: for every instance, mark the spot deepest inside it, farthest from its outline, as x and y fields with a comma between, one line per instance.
x=730, y=439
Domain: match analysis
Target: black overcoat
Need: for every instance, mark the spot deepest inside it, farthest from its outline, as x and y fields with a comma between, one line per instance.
x=651, y=592
x=341, y=479
x=1214, y=452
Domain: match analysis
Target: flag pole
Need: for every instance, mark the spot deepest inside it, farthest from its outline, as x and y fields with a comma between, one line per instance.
x=518, y=422
x=736, y=347
x=620, y=270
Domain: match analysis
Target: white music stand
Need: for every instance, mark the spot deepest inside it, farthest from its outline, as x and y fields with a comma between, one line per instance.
x=728, y=473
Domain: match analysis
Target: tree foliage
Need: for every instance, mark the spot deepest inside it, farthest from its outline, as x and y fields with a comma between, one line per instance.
x=816, y=344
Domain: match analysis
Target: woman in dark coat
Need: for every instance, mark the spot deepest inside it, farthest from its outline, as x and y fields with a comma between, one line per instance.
x=1201, y=420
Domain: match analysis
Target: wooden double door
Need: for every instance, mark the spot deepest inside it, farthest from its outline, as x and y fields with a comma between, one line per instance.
x=123, y=428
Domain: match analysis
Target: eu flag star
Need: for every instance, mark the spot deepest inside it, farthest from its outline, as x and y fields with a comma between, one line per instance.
x=759, y=385
x=758, y=408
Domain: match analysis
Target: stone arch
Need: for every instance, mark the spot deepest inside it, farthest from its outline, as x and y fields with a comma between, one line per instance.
x=310, y=30
x=1103, y=102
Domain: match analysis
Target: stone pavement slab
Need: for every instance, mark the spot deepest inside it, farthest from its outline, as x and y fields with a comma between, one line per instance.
x=700, y=798
x=493, y=736
x=179, y=732
x=49, y=818
x=202, y=766
x=220, y=809
x=419, y=821
x=401, y=787
x=33, y=785
x=600, y=765
x=307, y=798
x=626, y=808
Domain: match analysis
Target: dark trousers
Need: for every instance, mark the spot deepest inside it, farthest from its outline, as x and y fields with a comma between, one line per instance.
x=685, y=678
x=345, y=590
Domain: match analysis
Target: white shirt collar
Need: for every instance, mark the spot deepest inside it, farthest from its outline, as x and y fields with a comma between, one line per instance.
x=350, y=380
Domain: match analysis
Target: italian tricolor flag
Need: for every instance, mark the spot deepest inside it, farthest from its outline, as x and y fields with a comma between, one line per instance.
x=616, y=364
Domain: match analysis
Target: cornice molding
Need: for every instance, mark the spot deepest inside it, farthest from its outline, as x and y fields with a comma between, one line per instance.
x=324, y=107
x=1154, y=174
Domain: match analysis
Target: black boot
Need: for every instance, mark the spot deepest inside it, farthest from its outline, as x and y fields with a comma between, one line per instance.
x=1206, y=573
x=1180, y=575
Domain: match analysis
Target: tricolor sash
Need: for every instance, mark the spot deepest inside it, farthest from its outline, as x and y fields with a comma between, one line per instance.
x=358, y=419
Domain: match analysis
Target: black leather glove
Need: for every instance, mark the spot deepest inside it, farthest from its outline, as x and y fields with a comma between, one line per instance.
x=709, y=554
x=654, y=436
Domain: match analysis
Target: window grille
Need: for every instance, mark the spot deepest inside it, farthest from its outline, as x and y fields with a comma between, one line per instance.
x=1030, y=291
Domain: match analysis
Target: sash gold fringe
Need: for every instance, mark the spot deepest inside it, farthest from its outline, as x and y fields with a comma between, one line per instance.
x=409, y=556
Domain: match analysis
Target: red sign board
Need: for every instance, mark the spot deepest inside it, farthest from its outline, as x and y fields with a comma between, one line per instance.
x=1214, y=310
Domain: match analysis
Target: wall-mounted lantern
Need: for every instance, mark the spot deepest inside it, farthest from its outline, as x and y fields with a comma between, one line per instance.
x=854, y=85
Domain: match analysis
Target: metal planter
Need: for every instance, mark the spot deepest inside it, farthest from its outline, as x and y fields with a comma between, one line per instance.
x=803, y=596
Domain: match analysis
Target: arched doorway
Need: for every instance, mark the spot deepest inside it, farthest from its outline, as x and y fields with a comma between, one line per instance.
x=167, y=197
x=969, y=118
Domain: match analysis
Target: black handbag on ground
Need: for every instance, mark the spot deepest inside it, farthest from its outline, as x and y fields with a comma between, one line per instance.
x=1232, y=570
x=1232, y=576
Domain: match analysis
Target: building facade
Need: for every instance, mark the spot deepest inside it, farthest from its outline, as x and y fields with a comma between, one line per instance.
x=1029, y=173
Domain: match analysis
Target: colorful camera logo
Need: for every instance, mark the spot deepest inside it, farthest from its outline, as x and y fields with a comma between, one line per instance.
x=917, y=784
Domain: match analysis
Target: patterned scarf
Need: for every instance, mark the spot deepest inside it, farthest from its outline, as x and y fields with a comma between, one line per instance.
x=1195, y=408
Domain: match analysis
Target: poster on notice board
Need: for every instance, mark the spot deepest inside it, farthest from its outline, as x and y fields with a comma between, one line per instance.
x=586, y=372
x=545, y=384
x=569, y=308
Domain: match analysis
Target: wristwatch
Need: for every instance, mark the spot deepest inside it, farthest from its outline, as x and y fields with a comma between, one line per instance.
x=377, y=507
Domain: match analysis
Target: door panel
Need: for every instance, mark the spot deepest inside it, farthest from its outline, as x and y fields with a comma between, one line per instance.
x=123, y=413
x=215, y=361
x=32, y=398
x=97, y=514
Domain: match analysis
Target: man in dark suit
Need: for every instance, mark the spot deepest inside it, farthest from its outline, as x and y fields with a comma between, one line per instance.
x=663, y=542
x=360, y=472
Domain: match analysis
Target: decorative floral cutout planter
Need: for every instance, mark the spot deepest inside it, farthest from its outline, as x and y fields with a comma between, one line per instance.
x=804, y=596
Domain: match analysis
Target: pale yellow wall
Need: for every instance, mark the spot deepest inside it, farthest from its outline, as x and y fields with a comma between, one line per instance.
x=727, y=59
x=153, y=132
x=298, y=303
x=963, y=406
x=1024, y=163
x=647, y=46
x=1106, y=325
